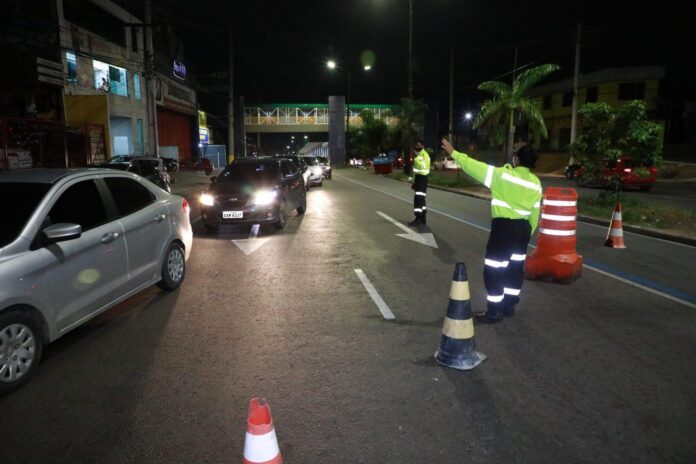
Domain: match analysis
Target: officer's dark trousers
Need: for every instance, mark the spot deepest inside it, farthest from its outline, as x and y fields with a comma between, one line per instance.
x=420, y=185
x=503, y=272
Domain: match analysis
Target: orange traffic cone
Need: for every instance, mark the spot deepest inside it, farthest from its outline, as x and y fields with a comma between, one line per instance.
x=260, y=443
x=615, y=233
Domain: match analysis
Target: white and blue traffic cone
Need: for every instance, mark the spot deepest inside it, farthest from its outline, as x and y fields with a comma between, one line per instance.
x=457, y=347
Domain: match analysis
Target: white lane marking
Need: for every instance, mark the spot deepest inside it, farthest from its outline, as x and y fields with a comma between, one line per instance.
x=253, y=243
x=424, y=238
x=592, y=268
x=317, y=210
x=383, y=308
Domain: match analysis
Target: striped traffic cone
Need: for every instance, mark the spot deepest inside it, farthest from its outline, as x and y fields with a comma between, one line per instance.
x=615, y=233
x=260, y=443
x=457, y=347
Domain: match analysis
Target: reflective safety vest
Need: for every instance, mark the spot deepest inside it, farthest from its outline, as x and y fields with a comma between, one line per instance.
x=421, y=163
x=515, y=192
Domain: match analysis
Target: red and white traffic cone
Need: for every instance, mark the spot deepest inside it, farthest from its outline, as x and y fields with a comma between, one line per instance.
x=260, y=443
x=615, y=233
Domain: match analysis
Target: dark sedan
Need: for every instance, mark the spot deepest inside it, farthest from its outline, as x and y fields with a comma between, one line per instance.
x=253, y=191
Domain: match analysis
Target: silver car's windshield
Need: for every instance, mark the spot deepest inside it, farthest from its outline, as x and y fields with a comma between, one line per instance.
x=18, y=200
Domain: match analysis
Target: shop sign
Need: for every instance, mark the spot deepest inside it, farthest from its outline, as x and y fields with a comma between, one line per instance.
x=179, y=70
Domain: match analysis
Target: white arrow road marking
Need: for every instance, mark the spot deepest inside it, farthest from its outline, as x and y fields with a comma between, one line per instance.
x=425, y=238
x=253, y=243
x=383, y=308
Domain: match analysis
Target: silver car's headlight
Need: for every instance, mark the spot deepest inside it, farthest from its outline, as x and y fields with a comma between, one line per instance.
x=264, y=197
x=207, y=199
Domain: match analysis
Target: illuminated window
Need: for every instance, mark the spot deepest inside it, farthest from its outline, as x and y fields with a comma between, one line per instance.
x=110, y=78
x=71, y=59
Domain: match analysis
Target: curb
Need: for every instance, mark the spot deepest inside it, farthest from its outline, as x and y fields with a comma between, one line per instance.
x=588, y=219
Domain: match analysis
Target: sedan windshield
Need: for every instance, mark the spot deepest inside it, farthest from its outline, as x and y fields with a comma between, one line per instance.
x=312, y=161
x=250, y=172
x=17, y=203
x=323, y=160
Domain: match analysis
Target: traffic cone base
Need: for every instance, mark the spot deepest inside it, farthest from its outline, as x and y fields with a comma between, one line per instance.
x=457, y=346
x=260, y=442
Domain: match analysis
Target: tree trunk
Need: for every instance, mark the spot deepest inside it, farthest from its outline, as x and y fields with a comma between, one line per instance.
x=511, y=137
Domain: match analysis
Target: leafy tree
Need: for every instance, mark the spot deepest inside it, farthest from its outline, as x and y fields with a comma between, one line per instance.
x=371, y=137
x=497, y=114
x=609, y=133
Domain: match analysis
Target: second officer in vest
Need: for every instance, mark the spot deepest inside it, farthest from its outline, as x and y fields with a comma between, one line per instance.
x=515, y=203
x=421, y=169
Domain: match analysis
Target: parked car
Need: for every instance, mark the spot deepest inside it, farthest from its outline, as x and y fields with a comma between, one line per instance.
x=253, y=191
x=325, y=164
x=149, y=167
x=316, y=176
x=197, y=164
x=74, y=243
x=299, y=162
x=628, y=171
x=446, y=163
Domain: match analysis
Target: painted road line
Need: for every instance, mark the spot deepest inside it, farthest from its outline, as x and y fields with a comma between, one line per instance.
x=635, y=281
x=424, y=238
x=383, y=308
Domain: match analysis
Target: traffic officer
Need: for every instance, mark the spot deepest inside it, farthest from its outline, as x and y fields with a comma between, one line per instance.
x=421, y=169
x=515, y=206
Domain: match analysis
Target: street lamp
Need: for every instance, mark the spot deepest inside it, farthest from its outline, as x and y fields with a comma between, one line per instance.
x=468, y=116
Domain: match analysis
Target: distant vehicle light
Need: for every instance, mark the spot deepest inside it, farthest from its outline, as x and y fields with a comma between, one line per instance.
x=207, y=199
x=264, y=197
x=627, y=170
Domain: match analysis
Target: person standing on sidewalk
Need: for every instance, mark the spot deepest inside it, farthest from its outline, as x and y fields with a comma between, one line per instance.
x=421, y=170
x=515, y=208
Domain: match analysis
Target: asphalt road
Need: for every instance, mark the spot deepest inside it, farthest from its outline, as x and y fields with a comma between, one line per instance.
x=600, y=371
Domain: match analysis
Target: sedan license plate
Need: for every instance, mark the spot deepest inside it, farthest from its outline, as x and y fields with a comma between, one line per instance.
x=232, y=214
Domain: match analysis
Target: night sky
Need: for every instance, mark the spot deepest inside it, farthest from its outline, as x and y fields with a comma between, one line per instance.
x=281, y=46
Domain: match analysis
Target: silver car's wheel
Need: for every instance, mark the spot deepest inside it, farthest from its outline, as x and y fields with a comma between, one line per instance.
x=20, y=349
x=173, y=268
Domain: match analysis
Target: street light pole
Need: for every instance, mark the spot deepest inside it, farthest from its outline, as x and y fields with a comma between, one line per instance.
x=410, y=49
x=348, y=112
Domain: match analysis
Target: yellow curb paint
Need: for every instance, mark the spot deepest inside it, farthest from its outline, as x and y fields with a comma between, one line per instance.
x=457, y=328
x=459, y=291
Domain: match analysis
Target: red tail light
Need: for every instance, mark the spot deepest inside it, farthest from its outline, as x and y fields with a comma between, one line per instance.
x=185, y=207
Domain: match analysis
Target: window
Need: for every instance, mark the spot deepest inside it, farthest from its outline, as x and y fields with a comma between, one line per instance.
x=568, y=98
x=79, y=204
x=129, y=194
x=632, y=91
x=547, y=102
x=71, y=59
x=136, y=86
x=591, y=95
x=110, y=78
x=285, y=168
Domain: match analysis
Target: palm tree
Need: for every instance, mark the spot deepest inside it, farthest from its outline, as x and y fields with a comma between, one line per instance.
x=498, y=113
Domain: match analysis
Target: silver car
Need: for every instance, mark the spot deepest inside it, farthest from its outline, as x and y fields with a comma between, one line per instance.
x=74, y=243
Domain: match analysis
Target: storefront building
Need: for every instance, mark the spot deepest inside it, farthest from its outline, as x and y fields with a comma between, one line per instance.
x=177, y=119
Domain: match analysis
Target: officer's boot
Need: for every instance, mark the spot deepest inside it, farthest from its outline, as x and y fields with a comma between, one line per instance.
x=423, y=221
x=416, y=221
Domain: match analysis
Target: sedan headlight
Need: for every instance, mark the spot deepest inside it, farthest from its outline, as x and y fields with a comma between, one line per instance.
x=316, y=169
x=264, y=197
x=207, y=199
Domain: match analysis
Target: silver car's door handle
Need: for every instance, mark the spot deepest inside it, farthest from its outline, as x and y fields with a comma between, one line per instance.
x=110, y=237
x=159, y=218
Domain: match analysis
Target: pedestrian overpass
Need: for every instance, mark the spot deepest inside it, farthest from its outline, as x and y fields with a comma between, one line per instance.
x=281, y=118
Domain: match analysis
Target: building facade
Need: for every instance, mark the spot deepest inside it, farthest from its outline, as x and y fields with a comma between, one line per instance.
x=612, y=86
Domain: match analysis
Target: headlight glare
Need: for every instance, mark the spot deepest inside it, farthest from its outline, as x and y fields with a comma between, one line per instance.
x=264, y=197
x=207, y=199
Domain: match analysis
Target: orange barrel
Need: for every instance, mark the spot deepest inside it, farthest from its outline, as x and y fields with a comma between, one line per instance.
x=555, y=257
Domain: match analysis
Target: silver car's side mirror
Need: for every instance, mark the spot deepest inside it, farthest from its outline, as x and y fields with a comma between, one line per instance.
x=62, y=231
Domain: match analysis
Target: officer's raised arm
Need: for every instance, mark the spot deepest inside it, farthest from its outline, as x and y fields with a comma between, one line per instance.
x=481, y=172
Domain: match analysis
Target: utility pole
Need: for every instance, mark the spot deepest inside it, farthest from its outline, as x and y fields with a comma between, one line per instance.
x=451, y=96
x=410, y=49
x=511, y=131
x=348, y=113
x=150, y=81
x=576, y=83
x=230, y=107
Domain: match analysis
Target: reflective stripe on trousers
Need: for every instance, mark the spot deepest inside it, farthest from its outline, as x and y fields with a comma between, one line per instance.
x=420, y=185
x=503, y=271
